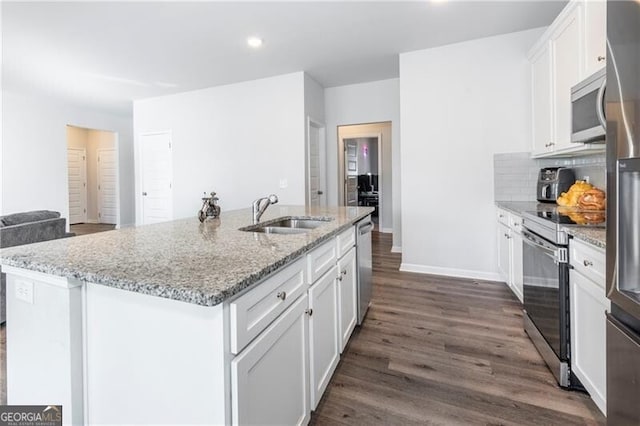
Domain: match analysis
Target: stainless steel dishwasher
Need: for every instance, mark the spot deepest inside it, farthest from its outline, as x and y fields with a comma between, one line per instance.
x=365, y=265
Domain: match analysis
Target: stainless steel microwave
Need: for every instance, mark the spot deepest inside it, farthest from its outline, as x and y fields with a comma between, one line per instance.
x=588, y=123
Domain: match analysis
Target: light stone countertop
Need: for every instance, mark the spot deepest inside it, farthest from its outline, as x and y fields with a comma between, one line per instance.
x=593, y=236
x=203, y=264
x=590, y=234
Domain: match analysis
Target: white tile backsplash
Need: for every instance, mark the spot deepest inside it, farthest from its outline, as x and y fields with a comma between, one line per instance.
x=515, y=175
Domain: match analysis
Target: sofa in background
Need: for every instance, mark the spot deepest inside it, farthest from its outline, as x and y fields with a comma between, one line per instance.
x=27, y=228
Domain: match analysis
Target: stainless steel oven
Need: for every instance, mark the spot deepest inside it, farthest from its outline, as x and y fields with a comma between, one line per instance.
x=546, y=300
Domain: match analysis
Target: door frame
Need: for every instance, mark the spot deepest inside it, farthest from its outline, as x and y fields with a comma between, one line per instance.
x=84, y=159
x=341, y=165
x=322, y=128
x=115, y=153
x=140, y=179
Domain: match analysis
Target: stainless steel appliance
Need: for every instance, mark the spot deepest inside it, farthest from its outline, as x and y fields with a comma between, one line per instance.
x=365, y=265
x=546, y=292
x=623, y=207
x=587, y=109
x=553, y=181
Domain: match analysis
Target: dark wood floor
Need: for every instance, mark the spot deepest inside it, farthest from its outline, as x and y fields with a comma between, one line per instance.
x=90, y=228
x=436, y=350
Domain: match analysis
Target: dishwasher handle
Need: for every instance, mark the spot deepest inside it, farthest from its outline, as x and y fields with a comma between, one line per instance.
x=364, y=228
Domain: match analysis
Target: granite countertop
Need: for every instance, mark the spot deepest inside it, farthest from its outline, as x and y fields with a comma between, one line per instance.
x=199, y=263
x=587, y=233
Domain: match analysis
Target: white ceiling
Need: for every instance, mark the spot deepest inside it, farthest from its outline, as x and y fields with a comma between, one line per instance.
x=106, y=54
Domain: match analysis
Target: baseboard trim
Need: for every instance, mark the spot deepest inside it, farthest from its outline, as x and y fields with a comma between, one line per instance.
x=386, y=230
x=396, y=249
x=450, y=272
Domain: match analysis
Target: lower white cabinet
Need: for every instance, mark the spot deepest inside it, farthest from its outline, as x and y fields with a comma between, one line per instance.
x=588, y=331
x=269, y=378
x=347, y=296
x=509, y=240
x=324, y=353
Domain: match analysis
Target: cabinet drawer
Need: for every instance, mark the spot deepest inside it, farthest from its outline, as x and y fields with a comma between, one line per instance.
x=346, y=240
x=320, y=260
x=502, y=216
x=588, y=260
x=254, y=311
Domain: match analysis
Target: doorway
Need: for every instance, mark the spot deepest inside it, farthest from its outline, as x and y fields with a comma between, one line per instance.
x=93, y=179
x=364, y=170
x=316, y=164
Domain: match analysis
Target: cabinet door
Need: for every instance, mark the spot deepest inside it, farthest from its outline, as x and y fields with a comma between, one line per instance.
x=324, y=353
x=503, y=251
x=595, y=35
x=565, y=44
x=269, y=382
x=347, y=296
x=517, y=275
x=588, y=336
x=541, y=93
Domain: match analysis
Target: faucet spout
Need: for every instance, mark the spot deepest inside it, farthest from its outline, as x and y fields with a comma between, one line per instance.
x=261, y=204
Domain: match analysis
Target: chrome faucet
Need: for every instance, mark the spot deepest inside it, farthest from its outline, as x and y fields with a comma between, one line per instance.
x=261, y=204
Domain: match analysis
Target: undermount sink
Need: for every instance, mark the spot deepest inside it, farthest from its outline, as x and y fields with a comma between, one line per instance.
x=287, y=225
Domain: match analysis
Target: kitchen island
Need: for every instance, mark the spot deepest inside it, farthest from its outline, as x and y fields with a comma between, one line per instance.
x=183, y=322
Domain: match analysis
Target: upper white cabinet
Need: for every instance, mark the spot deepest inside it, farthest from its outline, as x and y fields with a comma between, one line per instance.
x=565, y=75
x=570, y=50
x=541, y=95
x=595, y=35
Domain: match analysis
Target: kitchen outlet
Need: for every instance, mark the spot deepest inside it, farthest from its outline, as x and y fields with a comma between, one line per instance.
x=283, y=183
x=24, y=291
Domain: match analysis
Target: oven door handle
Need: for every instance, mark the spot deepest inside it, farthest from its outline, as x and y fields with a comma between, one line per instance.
x=530, y=239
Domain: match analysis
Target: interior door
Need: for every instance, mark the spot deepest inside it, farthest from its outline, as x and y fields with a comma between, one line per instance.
x=156, y=163
x=316, y=164
x=350, y=172
x=77, y=171
x=107, y=186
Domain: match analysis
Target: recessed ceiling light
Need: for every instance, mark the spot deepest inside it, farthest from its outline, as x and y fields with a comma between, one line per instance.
x=254, y=42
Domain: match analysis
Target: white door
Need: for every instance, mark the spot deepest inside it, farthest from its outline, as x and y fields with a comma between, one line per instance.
x=350, y=172
x=155, y=153
x=107, y=186
x=323, y=334
x=77, y=171
x=269, y=378
x=347, y=296
x=316, y=164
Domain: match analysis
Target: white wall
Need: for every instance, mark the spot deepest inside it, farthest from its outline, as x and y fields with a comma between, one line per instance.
x=372, y=102
x=239, y=140
x=460, y=104
x=34, y=153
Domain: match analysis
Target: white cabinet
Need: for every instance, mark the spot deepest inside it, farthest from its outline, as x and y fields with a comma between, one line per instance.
x=347, y=296
x=503, y=251
x=541, y=96
x=324, y=353
x=269, y=378
x=509, y=239
x=588, y=322
x=570, y=50
x=594, y=35
x=566, y=73
x=515, y=255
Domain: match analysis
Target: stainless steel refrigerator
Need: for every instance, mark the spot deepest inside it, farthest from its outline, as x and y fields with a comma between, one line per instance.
x=623, y=212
